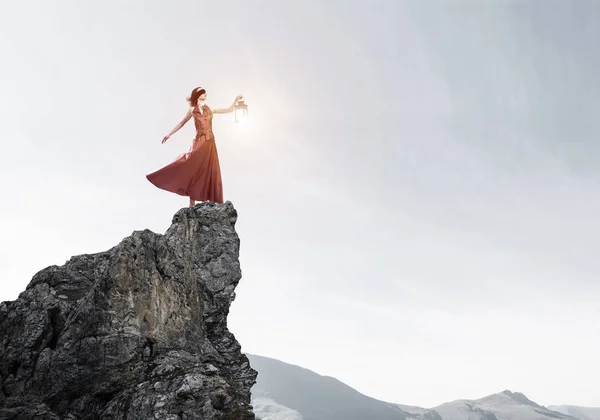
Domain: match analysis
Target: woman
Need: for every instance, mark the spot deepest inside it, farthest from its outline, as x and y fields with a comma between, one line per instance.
x=195, y=174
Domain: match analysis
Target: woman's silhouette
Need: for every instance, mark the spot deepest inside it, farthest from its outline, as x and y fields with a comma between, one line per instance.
x=195, y=174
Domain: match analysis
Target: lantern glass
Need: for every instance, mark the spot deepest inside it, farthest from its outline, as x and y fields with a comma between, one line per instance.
x=240, y=111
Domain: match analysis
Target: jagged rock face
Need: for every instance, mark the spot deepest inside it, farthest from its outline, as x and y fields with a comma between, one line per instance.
x=136, y=332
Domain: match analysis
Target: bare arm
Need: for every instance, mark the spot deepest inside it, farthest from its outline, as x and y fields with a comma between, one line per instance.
x=185, y=119
x=229, y=109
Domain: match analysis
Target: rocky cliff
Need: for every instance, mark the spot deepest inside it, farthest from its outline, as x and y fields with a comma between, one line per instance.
x=136, y=332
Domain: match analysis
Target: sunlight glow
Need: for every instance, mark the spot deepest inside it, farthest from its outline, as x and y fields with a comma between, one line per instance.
x=244, y=123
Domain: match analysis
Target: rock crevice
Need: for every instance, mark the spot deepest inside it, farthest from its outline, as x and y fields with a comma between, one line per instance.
x=135, y=332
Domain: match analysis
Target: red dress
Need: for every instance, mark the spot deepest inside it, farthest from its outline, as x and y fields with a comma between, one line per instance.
x=197, y=173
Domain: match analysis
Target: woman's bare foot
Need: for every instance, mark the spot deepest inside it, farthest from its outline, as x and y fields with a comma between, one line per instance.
x=192, y=203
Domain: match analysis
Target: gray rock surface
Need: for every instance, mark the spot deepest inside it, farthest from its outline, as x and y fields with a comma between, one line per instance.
x=136, y=332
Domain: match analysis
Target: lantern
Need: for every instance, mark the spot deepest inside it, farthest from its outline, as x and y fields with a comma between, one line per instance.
x=241, y=111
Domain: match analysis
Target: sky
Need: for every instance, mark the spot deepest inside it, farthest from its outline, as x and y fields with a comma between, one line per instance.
x=418, y=186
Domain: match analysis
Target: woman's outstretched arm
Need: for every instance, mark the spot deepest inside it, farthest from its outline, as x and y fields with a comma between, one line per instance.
x=185, y=119
x=229, y=109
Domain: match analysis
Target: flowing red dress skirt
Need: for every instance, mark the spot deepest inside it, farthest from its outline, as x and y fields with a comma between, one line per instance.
x=197, y=173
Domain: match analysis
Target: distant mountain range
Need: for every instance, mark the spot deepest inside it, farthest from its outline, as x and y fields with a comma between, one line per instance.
x=288, y=392
x=581, y=413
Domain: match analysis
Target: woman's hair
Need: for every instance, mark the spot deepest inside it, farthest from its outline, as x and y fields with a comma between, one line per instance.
x=193, y=99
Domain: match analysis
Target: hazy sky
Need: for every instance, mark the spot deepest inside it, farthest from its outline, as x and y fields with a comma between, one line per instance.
x=418, y=193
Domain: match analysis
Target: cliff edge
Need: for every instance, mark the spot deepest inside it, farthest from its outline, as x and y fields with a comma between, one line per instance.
x=136, y=332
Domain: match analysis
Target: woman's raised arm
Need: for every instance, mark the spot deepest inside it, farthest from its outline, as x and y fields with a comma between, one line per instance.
x=229, y=109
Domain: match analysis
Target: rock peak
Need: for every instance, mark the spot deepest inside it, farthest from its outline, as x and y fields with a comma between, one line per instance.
x=520, y=398
x=136, y=332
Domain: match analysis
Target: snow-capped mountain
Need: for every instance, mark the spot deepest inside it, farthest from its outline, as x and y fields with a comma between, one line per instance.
x=582, y=413
x=267, y=409
x=505, y=405
x=281, y=386
x=288, y=392
x=418, y=413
